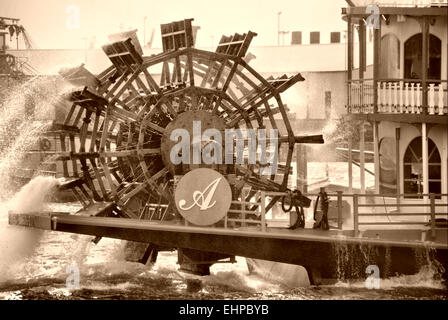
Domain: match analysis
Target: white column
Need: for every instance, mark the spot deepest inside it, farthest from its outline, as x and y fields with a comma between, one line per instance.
x=395, y=108
x=418, y=103
x=380, y=97
x=400, y=108
x=406, y=97
x=431, y=99
x=398, y=166
x=389, y=96
x=425, y=163
x=440, y=99
x=376, y=156
x=350, y=166
x=362, y=174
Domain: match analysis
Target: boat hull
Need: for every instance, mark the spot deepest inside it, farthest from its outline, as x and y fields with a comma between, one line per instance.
x=330, y=254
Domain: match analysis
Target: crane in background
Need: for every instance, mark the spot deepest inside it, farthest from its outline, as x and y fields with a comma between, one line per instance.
x=11, y=65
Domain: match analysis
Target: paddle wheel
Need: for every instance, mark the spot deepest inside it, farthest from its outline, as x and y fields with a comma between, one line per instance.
x=115, y=141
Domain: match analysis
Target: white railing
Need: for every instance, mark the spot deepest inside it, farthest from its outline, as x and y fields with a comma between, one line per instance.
x=427, y=215
x=361, y=97
x=397, y=97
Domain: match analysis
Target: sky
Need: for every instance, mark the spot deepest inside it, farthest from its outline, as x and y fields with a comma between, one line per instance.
x=52, y=24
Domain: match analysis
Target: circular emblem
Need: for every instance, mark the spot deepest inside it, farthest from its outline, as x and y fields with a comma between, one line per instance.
x=203, y=196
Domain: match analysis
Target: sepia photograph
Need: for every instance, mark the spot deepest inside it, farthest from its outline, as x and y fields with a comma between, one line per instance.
x=224, y=156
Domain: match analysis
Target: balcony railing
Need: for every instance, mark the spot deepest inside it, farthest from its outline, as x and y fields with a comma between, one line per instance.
x=397, y=96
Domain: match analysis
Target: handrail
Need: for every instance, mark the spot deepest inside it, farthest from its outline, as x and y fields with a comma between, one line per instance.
x=391, y=195
x=431, y=206
x=395, y=80
x=261, y=196
x=246, y=212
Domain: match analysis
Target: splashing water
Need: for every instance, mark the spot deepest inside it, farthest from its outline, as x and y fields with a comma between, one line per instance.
x=17, y=243
x=25, y=114
x=425, y=278
x=12, y=157
x=23, y=117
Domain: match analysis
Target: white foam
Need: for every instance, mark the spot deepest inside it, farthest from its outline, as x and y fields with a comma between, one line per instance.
x=18, y=243
x=18, y=133
x=425, y=278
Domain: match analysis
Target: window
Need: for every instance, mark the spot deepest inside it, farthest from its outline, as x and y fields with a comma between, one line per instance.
x=296, y=37
x=314, y=37
x=413, y=168
x=413, y=57
x=335, y=37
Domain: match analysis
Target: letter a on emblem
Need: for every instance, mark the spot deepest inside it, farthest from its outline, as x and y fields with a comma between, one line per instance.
x=203, y=196
x=202, y=199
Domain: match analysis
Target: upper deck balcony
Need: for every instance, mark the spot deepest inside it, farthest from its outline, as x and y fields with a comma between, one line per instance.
x=399, y=96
